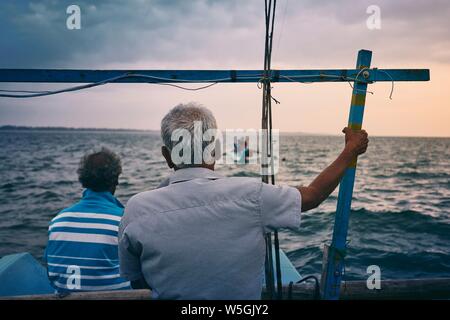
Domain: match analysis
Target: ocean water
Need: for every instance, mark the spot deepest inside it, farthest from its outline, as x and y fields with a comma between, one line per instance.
x=400, y=216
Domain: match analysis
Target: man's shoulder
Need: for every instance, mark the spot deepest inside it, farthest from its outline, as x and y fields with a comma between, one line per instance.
x=76, y=207
x=101, y=208
x=144, y=196
x=156, y=197
x=142, y=199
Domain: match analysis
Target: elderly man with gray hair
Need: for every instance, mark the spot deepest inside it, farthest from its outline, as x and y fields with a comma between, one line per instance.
x=202, y=235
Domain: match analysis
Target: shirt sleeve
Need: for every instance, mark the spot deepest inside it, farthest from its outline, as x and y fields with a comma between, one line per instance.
x=130, y=265
x=280, y=207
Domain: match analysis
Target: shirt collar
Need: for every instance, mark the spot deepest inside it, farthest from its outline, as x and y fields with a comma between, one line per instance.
x=187, y=174
x=105, y=196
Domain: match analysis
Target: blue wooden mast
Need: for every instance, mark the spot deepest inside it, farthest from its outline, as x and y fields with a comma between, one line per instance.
x=335, y=253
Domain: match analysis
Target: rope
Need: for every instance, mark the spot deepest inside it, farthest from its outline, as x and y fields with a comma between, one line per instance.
x=33, y=94
x=349, y=79
x=392, y=83
x=356, y=79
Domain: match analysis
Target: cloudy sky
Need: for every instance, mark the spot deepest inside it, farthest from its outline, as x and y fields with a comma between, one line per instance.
x=229, y=34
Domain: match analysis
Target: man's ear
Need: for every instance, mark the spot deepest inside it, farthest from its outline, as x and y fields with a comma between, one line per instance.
x=167, y=155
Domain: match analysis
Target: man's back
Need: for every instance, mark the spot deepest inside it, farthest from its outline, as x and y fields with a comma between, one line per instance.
x=82, y=250
x=202, y=236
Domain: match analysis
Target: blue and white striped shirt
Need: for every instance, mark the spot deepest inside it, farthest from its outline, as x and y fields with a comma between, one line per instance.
x=82, y=250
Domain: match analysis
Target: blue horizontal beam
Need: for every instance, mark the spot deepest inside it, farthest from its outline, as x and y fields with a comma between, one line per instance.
x=199, y=76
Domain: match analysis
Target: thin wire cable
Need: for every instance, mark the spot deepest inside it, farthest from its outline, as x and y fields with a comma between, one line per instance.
x=348, y=79
x=112, y=80
x=22, y=91
x=188, y=89
x=76, y=88
x=282, y=24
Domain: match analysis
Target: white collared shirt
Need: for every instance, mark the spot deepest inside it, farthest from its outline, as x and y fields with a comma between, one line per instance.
x=202, y=236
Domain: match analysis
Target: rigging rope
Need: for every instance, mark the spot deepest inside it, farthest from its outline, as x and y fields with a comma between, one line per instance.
x=33, y=94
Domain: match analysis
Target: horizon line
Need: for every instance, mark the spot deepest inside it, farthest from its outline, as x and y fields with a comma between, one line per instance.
x=68, y=128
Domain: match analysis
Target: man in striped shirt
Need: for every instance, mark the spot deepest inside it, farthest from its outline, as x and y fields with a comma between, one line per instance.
x=82, y=251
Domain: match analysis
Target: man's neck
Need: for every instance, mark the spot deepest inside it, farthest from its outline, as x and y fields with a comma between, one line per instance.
x=205, y=166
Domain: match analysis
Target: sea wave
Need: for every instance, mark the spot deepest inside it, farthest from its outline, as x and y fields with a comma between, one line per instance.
x=401, y=205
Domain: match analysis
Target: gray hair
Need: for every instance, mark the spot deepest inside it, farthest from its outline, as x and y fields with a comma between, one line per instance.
x=99, y=170
x=184, y=116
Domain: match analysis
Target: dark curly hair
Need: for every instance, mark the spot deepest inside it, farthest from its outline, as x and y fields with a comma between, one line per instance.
x=99, y=171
